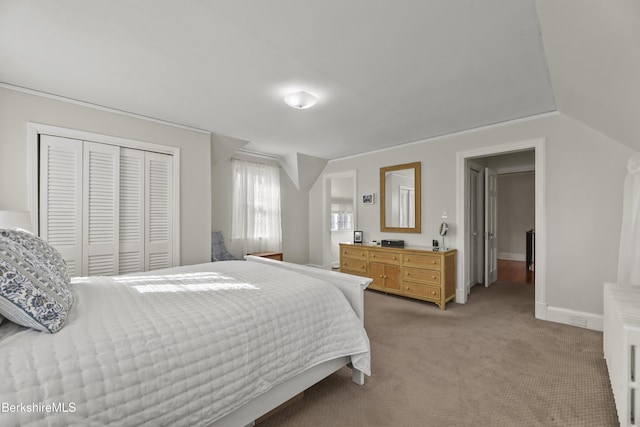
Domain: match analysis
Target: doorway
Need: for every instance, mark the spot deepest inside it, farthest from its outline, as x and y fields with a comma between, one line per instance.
x=516, y=226
x=470, y=172
x=340, y=212
x=501, y=204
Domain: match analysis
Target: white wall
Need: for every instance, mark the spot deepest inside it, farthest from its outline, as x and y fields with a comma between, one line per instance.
x=18, y=108
x=516, y=213
x=294, y=211
x=585, y=173
x=594, y=63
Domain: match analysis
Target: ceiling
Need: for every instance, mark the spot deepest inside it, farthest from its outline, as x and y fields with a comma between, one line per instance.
x=385, y=73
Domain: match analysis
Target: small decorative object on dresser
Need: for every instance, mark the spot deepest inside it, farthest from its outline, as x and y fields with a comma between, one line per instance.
x=357, y=237
x=271, y=255
x=414, y=272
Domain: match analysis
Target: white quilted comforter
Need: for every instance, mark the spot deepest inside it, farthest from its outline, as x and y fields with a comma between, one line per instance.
x=183, y=346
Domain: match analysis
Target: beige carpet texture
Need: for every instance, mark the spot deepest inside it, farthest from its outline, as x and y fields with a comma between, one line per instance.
x=485, y=363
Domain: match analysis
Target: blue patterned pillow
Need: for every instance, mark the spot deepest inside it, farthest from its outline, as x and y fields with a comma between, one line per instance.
x=46, y=254
x=34, y=285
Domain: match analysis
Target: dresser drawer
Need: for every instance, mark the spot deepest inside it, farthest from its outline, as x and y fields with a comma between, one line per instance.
x=385, y=257
x=355, y=265
x=358, y=253
x=425, y=261
x=421, y=291
x=421, y=275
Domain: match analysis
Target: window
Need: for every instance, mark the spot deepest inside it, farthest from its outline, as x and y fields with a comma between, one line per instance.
x=256, y=206
x=341, y=216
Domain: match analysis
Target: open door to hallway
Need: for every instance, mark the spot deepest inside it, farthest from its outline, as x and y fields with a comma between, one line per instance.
x=490, y=226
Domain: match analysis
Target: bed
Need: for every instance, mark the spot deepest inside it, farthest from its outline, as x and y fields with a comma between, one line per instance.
x=215, y=344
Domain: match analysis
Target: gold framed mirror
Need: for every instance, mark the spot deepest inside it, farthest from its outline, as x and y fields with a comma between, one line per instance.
x=400, y=204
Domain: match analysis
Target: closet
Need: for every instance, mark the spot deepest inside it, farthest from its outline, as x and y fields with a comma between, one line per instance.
x=108, y=209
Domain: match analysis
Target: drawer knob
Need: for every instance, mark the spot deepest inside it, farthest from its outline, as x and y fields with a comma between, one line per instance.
x=433, y=293
x=433, y=262
x=362, y=267
x=373, y=256
x=381, y=276
x=394, y=257
x=385, y=276
x=433, y=277
x=408, y=260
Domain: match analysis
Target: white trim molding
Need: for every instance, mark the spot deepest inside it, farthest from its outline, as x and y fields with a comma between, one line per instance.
x=515, y=169
x=512, y=256
x=539, y=145
x=100, y=107
x=580, y=319
x=448, y=135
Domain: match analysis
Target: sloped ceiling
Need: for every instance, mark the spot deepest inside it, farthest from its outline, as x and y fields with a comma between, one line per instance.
x=385, y=73
x=593, y=50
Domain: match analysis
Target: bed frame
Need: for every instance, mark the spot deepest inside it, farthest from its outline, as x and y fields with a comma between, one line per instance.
x=353, y=289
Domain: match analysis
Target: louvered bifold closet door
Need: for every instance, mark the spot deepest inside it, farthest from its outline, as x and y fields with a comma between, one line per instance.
x=159, y=213
x=60, y=214
x=131, y=210
x=101, y=209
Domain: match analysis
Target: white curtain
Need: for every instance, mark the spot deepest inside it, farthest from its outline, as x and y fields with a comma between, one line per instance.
x=256, y=207
x=629, y=257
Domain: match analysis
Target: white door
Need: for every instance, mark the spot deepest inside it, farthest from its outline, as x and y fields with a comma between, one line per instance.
x=474, y=233
x=158, y=211
x=490, y=227
x=107, y=209
x=132, y=223
x=60, y=202
x=101, y=209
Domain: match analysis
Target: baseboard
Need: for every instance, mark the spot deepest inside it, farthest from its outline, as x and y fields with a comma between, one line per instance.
x=541, y=311
x=461, y=295
x=317, y=266
x=580, y=319
x=511, y=256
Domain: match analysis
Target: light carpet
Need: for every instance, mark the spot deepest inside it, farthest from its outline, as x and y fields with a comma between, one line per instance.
x=485, y=363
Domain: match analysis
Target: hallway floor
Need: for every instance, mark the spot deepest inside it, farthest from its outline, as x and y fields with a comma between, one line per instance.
x=515, y=271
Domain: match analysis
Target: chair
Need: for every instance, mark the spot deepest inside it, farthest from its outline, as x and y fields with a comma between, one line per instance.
x=218, y=250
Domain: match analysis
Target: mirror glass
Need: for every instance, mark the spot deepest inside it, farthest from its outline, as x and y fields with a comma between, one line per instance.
x=400, y=198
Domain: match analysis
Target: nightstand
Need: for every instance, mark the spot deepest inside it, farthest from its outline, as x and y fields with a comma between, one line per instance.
x=270, y=255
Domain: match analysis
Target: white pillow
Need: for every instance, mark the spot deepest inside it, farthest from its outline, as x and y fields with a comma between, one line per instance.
x=34, y=283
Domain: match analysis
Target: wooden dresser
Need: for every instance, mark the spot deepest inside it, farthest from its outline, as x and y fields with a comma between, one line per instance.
x=412, y=272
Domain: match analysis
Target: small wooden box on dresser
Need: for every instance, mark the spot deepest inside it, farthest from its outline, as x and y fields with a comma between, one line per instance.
x=412, y=271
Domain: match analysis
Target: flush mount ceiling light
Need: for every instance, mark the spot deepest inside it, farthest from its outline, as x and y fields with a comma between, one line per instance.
x=300, y=100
